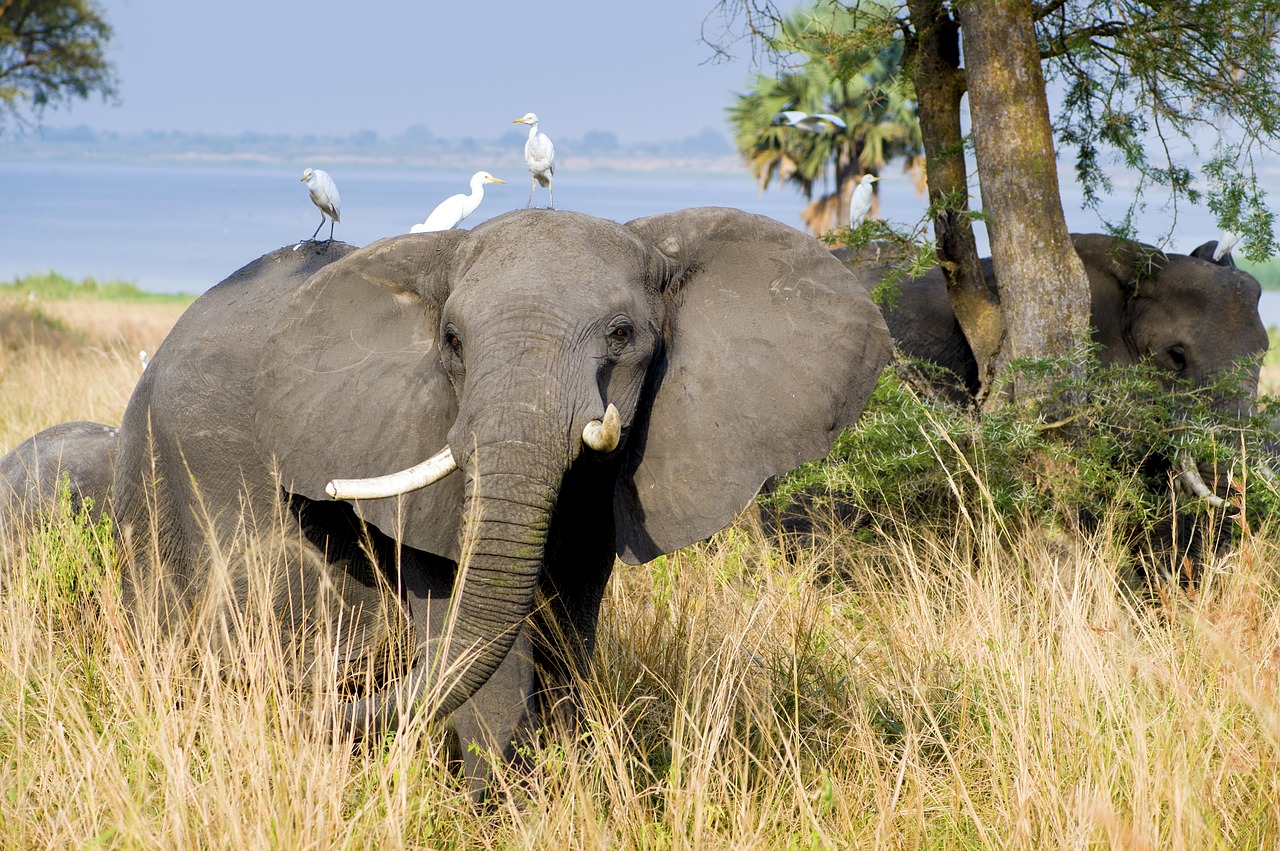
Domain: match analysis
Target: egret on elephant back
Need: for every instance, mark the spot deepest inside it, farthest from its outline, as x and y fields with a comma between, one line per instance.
x=453, y=210
x=582, y=390
x=324, y=194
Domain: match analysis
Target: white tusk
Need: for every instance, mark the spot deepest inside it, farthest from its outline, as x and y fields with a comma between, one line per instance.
x=603, y=436
x=428, y=472
x=1189, y=475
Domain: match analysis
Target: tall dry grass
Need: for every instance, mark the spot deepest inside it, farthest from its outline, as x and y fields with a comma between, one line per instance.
x=971, y=687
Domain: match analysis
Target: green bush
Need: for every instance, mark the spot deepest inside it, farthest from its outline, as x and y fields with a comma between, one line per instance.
x=1102, y=443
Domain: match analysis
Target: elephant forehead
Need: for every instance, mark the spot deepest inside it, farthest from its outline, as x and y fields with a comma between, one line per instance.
x=552, y=249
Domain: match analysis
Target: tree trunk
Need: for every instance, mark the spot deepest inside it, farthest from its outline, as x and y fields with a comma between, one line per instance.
x=1044, y=293
x=940, y=85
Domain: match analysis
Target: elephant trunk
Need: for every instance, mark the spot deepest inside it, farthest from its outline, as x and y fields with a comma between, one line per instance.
x=511, y=488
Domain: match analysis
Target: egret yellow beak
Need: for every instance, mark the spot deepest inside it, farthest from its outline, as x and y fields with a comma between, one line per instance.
x=498, y=180
x=518, y=121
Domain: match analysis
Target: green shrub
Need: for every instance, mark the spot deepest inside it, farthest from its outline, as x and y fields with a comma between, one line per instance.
x=1099, y=444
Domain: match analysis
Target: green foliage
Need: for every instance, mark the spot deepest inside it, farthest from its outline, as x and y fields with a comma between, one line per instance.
x=51, y=285
x=934, y=463
x=1149, y=81
x=72, y=556
x=51, y=51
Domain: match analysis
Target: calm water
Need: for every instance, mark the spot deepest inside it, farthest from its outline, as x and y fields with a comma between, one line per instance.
x=172, y=227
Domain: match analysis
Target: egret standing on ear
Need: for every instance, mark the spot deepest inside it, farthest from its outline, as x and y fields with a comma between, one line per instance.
x=324, y=194
x=860, y=203
x=1226, y=242
x=450, y=212
x=540, y=156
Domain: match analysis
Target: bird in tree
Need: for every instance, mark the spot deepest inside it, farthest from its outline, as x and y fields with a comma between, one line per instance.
x=810, y=123
x=861, y=200
x=324, y=194
x=450, y=212
x=861, y=86
x=539, y=156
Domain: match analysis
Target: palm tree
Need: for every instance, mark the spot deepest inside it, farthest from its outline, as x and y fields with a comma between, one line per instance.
x=843, y=72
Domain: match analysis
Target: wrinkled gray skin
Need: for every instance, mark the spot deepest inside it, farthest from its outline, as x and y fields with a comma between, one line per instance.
x=735, y=348
x=1190, y=317
x=81, y=453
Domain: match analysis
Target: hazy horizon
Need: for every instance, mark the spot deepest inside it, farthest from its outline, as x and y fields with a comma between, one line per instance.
x=638, y=71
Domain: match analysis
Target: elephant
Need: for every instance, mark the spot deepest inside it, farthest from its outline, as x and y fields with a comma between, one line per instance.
x=83, y=454
x=1189, y=316
x=602, y=390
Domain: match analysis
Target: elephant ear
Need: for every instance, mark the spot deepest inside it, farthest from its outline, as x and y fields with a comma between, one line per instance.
x=772, y=349
x=1117, y=269
x=351, y=385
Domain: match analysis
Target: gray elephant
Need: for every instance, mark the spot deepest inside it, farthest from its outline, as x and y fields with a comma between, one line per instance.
x=81, y=454
x=603, y=390
x=1189, y=316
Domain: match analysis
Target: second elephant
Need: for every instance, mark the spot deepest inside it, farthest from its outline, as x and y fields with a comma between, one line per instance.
x=1190, y=317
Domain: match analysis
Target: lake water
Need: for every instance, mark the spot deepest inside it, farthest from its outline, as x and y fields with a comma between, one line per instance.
x=183, y=227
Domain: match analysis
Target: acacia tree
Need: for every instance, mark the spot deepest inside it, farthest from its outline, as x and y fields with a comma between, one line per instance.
x=51, y=51
x=1140, y=78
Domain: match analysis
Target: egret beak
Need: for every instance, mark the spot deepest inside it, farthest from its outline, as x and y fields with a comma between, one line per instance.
x=518, y=121
x=497, y=180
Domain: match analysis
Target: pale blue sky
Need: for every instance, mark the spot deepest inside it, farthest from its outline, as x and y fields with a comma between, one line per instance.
x=637, y=69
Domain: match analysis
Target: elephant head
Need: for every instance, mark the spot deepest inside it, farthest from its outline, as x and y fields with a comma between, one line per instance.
x=1189, y=316
x=602, y=389
x=1192, y=318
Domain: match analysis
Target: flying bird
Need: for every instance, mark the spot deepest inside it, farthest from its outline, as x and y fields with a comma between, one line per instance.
x=816, y=123
x=1226, y=242
x=324, y=194
x=860, y=203
x=450, y=212
x=540, y=157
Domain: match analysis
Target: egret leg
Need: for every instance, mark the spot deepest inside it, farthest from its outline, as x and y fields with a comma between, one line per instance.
x=313, y=236
x=331, y=221
x=533, y=184
x=552, y=189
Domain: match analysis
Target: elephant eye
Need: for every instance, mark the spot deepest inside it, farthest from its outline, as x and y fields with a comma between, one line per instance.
x=1179, y=358
x=452, y=341
x=619, y=336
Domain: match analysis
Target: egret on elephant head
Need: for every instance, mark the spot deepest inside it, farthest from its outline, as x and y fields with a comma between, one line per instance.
x=540, y=157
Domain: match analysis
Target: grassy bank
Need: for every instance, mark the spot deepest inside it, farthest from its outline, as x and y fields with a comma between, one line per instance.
x=70, y=350
x=980, y=683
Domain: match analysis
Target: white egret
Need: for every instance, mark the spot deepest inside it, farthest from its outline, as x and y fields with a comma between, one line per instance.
x=1226, y=242
x=142, y=356
x=810, y=123
x=540, y=156
x=860, y=203
x=450, y=212
x=324, y=194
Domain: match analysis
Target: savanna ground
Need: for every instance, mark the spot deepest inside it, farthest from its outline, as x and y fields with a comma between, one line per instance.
x=972, y=683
